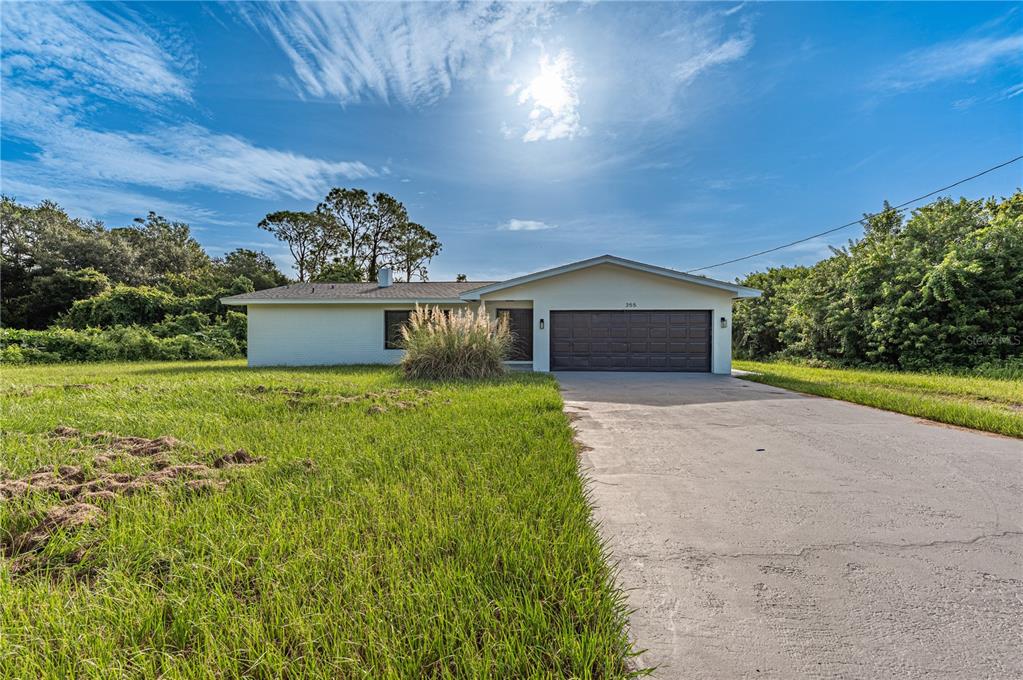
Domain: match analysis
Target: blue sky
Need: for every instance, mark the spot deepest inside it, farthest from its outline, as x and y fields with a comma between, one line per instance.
x=524, y=135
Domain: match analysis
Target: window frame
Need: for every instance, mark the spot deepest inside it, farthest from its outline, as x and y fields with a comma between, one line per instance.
x=387, y=327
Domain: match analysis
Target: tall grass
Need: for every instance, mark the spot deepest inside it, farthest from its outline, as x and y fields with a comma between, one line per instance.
x=392, y=531
x=982, y=403
x=441, y=345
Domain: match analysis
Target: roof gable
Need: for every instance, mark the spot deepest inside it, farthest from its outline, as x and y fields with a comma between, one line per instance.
x=734, y=288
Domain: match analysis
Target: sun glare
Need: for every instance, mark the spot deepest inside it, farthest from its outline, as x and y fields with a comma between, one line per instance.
x=553, y=88
x=553, y=98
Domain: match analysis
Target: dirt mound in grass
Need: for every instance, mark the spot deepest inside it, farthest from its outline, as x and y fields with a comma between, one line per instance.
x=394, y=399
x=239, y=457
x=135, y=446
x=57, y=518
x=378, y=401
x=264, y=389
x=70, y=482
x=79, y=488
x=70, y=486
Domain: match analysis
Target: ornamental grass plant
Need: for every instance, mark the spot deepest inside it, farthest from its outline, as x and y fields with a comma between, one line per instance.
x=445, y=344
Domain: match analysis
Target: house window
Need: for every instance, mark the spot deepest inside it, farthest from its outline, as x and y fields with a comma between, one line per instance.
x=393, y=321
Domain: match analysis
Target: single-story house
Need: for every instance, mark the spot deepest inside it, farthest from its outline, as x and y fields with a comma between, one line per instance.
x=601, y=314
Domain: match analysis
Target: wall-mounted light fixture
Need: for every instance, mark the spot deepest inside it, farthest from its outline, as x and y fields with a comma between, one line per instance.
x=541, y=324
x=724, y=322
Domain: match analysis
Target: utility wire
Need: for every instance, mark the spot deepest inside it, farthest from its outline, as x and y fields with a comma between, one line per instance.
x=900, y=207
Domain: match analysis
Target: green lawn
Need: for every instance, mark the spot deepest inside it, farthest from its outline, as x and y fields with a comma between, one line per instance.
x=979, y=403
x=391, y=530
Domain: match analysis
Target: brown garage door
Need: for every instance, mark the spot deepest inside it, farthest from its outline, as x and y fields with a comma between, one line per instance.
x=668, y=340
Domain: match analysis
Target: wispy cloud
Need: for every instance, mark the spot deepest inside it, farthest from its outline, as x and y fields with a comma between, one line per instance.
x=525, y=225
x=658, y=65
x=113, y=56
x=30, y=183
x=732, y=49
x=411, y=54
x=553, y=98
x=1012, y=91
x=52, y=53
x=953, y=60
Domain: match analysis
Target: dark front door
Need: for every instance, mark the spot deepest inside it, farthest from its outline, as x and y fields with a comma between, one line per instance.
x=668, y=340
x=520, y=322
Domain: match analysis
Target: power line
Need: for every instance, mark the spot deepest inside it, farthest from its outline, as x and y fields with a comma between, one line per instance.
x=900, y=207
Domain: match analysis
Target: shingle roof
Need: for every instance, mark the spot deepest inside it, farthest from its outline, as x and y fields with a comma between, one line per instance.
x=423, y=290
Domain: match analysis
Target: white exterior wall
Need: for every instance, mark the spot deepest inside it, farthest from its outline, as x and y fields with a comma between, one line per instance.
x=610, y=287
x=312, y=334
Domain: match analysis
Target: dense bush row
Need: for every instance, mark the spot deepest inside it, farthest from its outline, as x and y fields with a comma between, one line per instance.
x=189, y=336
x=940, y=290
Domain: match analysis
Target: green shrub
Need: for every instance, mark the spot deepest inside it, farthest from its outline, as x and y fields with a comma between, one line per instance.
x=462, y=344
x=12, y=355
x=123, y=305
x=120, y=343
x=237, y=325
x=1005, y=369
x=181, y=324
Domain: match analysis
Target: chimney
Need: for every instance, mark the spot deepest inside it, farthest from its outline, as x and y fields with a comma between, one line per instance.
x=384, y=277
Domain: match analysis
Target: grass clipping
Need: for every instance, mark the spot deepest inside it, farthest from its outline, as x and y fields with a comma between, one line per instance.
x=442, y=345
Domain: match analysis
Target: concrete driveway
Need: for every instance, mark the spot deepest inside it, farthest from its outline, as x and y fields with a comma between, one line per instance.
x=767, y=534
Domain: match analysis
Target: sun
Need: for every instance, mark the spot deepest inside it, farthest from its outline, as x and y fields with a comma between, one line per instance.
x=554, y=87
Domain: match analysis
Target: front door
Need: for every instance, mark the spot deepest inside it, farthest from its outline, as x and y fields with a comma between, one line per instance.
x=520, y=323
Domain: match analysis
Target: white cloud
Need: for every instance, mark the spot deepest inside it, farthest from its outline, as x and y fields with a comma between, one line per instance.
x=957, y=59
x=57, y=51
x=408, y=53
x=553, y=97
x=106, y=54
x=526, y=225
x=167, y=156
x=29, y=184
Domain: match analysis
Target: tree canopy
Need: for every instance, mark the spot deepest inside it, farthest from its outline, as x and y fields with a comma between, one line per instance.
x=943, y=288
x=50, y=260
x=351, y=235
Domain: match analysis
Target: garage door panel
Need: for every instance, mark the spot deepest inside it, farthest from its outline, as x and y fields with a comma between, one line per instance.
x=658, y=340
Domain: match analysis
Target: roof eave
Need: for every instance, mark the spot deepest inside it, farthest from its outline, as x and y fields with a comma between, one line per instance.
x=342, y=301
